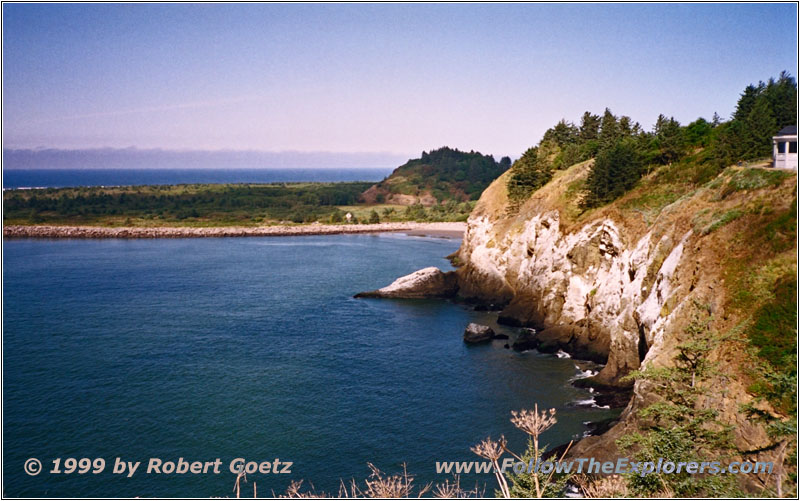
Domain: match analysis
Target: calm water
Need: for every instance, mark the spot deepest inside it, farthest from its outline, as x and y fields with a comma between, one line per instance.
x=57, y=178
x=254, y=348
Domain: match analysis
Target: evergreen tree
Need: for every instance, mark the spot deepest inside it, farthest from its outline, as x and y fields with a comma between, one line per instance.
x=670, y=140
x=698, y=132
x=589, y=128
x=609, y=130
x=760, y=126
x=529, y=173
x=747, y=100
x=615, y=171
x=781, y=94
x=562, y=134
x=627, y=127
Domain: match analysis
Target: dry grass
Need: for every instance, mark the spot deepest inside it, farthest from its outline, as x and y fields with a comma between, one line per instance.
x=613, y=486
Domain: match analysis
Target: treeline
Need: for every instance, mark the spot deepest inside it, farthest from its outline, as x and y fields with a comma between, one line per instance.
x=301, y=202
x=239, y=204
x=447, y=173
x=623, y=152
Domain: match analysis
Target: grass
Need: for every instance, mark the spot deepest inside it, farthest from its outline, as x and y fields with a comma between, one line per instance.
x=753, y=179
x=706, y=221
x=362, y=212
x=774, y=328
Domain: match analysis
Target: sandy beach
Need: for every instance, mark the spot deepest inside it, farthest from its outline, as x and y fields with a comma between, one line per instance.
x=442, y=230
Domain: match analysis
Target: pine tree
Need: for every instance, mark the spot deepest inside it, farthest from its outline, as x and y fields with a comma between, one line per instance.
x=670, y=139
x=609, y=130
x=529, y=173
x=590, y=127
x=760, y=126
x=781, y=94
x=562, y=134
x=615, y=171
x=747, y=100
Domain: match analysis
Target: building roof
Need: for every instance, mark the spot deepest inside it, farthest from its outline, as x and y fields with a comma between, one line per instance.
x=789, y=130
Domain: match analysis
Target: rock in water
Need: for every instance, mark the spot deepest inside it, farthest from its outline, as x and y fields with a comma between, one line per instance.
x=477, y=333
x=526, y=340
x=427, y=282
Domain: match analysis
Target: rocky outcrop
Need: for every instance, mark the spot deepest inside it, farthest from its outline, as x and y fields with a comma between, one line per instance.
x=477, y=333
x=426, y=283
x=594, y=292
x=617, y=285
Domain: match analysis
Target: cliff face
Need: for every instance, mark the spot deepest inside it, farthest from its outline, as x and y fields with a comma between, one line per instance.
x=620, y=284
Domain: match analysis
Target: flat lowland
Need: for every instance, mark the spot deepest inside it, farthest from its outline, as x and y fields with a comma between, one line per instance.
x=212, y=206
x=441, y=229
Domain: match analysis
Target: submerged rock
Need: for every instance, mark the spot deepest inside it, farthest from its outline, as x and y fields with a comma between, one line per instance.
x=425, y=283
x=477, y=333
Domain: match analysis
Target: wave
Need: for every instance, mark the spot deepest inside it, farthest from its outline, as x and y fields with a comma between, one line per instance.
x=589, y=402
x=583, y=374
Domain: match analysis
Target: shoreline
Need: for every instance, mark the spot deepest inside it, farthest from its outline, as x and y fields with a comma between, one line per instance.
x=441, y=230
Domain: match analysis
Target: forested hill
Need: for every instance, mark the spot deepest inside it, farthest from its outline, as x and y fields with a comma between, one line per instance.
x=437, y=176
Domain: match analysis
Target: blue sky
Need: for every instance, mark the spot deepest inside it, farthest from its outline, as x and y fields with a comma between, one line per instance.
x=371, y=78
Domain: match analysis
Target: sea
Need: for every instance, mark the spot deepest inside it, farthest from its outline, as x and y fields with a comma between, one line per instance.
x=221, y=348
x=213, y=349
x=62, y=178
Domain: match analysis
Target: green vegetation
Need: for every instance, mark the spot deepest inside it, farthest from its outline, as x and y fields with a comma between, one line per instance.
x=762, y=276
x=773, y=331
x=532, y=171
x=211, y=205
x=227, y=204
x=445, y=173
x=681, y=426
x=753, y=179
x=616, y=170
x=707, y=222
x=692, y=155
x=762, y=110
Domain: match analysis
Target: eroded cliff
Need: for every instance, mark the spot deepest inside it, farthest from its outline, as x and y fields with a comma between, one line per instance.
x=620, y=284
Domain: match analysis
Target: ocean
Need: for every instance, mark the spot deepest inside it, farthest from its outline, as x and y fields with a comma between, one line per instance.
x=60, y=178
x=251, y=348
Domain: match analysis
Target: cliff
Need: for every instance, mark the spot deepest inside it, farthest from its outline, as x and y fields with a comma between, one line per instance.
x=620, y=284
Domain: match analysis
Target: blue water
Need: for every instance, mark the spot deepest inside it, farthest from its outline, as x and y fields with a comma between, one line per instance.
x=59, y=178
x=250, y=347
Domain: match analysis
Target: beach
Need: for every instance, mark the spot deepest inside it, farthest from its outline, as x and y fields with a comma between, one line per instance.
x=442, y=230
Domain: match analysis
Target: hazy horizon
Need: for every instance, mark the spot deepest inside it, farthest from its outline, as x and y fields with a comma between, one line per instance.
x=159, y=158
x=358, y=79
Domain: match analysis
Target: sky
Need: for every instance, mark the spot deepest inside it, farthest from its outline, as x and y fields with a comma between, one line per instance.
x=383, y=78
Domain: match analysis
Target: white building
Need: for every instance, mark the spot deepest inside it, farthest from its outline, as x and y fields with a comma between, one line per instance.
x=784, y=148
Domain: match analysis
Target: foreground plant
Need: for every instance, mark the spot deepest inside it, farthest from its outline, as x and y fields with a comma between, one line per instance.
x=381, y=485
x=525, y=484
x=492, y=450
